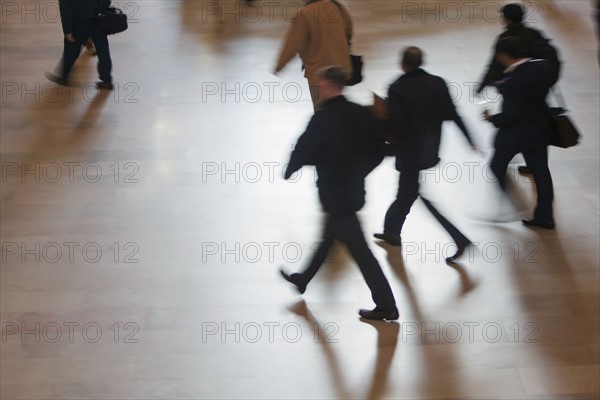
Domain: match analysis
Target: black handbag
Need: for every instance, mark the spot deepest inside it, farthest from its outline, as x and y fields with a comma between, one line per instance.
x=356, y=61
x=110, y=21
x=564, y=132
x=357, y=65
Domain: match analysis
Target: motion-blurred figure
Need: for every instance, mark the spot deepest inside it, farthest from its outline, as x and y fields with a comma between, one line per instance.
x=339, y=140
x=524, y=123
x=79, y=23
x=418, y=105
x=537, y=46
x=320, y=34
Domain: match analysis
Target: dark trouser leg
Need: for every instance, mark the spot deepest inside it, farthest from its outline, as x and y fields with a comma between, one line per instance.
x=347, y=230
x=104, y=60
x=537, y=160
x=499, y=165
x=456, y=235
x=70, y=53
x=408, y=191
x=322, y=251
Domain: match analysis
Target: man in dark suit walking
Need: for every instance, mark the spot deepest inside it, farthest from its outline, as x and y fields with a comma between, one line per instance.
x=79, y=23
x=524, y=123
x=418, y=105
x=340, y=141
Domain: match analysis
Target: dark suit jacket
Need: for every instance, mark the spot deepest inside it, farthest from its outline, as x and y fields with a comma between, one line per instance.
x=523, y=121
x=418, y=105
x=494, y=70
x=342, y=142
x=73, y=12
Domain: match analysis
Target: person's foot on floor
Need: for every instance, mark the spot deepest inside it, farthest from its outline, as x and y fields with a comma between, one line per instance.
x=379, y=314
x=104, y=85
x=393, y=240
x=459, y=251
x=295, y=279
x=524, y=170
x=539, y=223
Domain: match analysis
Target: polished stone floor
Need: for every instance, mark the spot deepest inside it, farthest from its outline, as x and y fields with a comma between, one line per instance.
x=142, y=229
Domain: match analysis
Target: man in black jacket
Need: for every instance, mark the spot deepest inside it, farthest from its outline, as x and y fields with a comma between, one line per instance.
x=524, y=123
x=512, y=16
x=418, y=105
x=340, y=141
x=79, y=23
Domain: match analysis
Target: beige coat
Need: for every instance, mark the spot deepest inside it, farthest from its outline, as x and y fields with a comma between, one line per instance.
x=320, y=34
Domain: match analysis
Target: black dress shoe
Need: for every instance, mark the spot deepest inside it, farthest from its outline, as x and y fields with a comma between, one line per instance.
x=393, y=240
x=525, y=170
x=295, y=279
x=379, y=314
x=105, y=85
x=459, y=252
x=537, y=223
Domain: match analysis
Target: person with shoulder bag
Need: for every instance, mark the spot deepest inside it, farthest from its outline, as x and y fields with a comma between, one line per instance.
x=524, y=124
x=537, y=47
x=320, y=34
x=79, y=22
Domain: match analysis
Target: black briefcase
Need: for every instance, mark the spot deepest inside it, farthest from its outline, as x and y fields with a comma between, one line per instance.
x=110, y=21
x=564, y=132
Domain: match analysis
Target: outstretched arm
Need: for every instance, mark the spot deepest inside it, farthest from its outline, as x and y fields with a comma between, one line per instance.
x=307, y=150
x=295, y=40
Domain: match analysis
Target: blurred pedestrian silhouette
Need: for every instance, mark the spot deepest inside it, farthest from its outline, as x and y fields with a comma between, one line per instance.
x=320, y=34
x=79, y=23
x=537, y=46
x=340, y=141
x=418, y=104
x=524, y=123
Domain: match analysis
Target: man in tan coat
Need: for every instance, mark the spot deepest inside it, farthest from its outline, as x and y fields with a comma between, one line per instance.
x=320, y=34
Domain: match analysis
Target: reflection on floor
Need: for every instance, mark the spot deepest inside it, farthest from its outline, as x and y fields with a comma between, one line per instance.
x=142, y=229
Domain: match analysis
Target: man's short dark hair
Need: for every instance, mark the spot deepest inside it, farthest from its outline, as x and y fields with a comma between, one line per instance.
x=513, y=12
x=334, y=75
x=514, y=46
x=412, y=58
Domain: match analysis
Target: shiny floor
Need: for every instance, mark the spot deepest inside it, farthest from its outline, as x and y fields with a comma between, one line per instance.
x=142, y=229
